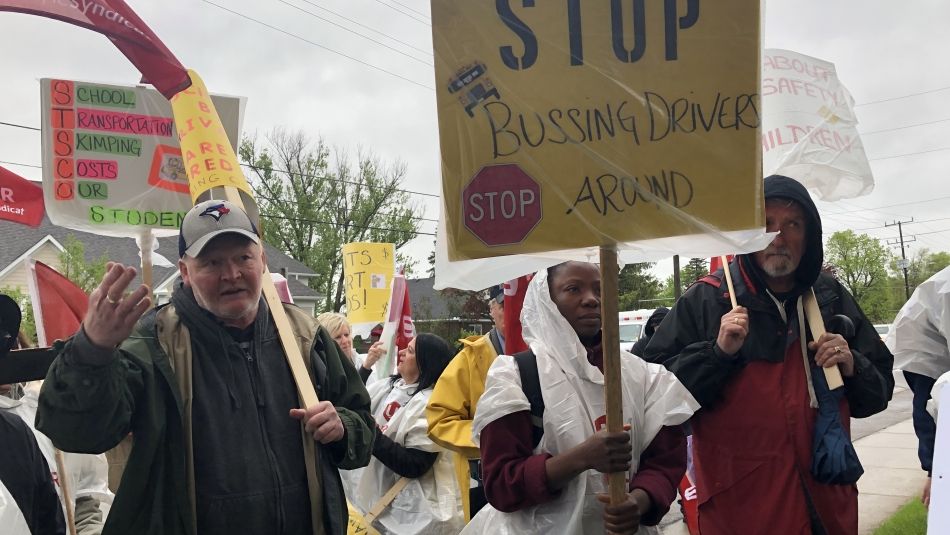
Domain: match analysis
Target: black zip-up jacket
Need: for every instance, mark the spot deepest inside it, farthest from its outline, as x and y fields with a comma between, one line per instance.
x=686, y=340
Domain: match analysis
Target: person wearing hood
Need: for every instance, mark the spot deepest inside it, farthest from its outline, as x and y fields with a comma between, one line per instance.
x=545, y=473
x=752, y=368
x=220, y=443
x=652, y=323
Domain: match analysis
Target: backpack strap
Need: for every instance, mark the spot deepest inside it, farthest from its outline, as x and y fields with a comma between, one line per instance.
x=531, y=385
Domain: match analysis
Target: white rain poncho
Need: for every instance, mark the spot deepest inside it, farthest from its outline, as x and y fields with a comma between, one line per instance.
x=920, y=336
x=573, y=392
x=87, y=475
x=11, y=518
x=428, y=505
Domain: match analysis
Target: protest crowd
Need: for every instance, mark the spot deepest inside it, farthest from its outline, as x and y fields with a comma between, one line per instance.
x=231, y=410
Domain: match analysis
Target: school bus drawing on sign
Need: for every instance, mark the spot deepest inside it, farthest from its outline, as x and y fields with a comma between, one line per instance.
x=477, y=87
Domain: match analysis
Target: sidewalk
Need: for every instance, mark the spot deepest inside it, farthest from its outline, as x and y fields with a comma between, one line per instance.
x=892, y=474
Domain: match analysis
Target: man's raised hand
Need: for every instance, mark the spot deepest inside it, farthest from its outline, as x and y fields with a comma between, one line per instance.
x=112, y=314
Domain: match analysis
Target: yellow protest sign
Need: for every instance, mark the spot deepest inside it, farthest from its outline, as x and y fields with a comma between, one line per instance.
x=209, y=158
x=576, y=124
x=357, y=524
x=368, y=272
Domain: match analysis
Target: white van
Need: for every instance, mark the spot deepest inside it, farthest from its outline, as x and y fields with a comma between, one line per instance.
x=632, y=323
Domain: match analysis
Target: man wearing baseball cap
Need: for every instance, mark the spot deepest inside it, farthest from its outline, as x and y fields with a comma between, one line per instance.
x=204, y=387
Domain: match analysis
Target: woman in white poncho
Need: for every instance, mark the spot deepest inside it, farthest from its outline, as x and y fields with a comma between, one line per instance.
x=559, y=486
x=431, y=503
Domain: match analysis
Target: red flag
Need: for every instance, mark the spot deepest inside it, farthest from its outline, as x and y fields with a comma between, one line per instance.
x=407, y=329
x=21, y=201
x=58, y=305
x=116, y=20
x=514, y=300
x=715, y=264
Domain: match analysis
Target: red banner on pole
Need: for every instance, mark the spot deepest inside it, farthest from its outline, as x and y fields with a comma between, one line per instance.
x=116, y=20
x=21, y=201
x=58, y=305
x=514, y=301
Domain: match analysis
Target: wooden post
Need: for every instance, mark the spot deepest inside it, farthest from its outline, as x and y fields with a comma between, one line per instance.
x=67, y=492
x=145, y=251
x=817, y=326
x=308, y=395
x=610, y=329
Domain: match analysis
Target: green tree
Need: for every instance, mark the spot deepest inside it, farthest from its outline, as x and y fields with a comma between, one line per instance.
x=694, y=270
x=27, y=322
x=75, y=267
x=860, y=263
x=313, y=202
x=637, y=287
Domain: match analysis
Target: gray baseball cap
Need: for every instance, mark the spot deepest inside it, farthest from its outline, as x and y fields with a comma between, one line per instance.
x=210, y=219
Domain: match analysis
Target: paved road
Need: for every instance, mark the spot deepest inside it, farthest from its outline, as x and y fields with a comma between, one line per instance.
x=898, y=410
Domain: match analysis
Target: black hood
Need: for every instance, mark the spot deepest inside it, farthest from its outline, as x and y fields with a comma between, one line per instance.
x=655, y=320
x=783, y=187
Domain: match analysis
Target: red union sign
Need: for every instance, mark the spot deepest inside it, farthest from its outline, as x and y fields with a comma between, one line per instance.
x=501, y=205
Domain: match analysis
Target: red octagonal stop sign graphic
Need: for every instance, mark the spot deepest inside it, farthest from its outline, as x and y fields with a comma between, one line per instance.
x=502, y=204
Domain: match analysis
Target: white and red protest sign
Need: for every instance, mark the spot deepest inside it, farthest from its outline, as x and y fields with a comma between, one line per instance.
x=809, y=129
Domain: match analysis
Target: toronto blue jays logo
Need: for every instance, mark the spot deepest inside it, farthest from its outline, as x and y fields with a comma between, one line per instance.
x=216, y=211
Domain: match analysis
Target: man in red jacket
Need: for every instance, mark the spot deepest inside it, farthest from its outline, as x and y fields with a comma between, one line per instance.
x=752, y=367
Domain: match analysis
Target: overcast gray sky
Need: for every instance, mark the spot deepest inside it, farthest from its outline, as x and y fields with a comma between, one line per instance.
x=319, y=81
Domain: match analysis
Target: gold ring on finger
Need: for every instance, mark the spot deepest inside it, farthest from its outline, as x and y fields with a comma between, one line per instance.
x=111, y=300
x=837, y=349
x=735, y=320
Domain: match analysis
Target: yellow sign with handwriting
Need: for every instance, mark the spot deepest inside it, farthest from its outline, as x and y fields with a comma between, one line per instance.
x=575, y=124
x=368, y=273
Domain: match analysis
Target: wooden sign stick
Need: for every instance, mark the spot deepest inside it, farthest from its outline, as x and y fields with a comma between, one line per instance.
x=815, y=323
x=610, y=329
x=308, y=395
x=67, y=492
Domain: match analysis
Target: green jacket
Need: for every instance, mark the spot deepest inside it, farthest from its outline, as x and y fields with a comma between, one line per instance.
x=91, y=408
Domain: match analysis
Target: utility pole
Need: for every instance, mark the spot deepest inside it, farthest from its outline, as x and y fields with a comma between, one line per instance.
x=677, y=290
x=903, y=262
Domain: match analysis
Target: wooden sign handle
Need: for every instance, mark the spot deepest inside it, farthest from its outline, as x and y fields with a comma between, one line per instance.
x=817, y=327
x=308, y=395
x=727, y=274
x=610, y=329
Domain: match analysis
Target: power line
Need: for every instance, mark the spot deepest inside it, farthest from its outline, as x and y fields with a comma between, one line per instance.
x=903, y=127
x=333, y=223
x=318, y=45
x=902, y=96
x=889, y=206
x=22, y=164
x=383, y=214
x=411, y=192
x=401, y=12
x=272, y=169
x=354, y=32
x=908, y=154
x=361, y=25
x=20, y=126
x=423, y=15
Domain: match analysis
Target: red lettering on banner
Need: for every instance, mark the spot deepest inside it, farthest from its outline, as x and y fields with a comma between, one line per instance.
x=63, y=142
x=63, y=118
x=203, y=106
x=64, y=168
x=390, y=410
x=64, y=190
x=600, y=423
x=61, y=92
